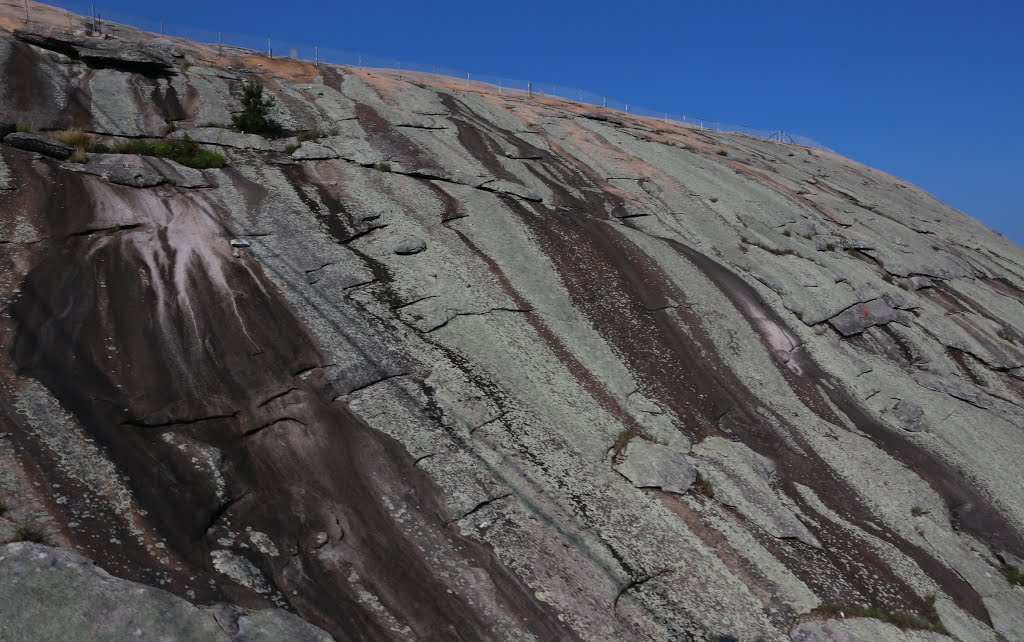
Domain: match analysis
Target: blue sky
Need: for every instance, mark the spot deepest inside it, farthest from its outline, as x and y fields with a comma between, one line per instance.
x=930, y=91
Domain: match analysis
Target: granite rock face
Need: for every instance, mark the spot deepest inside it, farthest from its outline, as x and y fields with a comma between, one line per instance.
x=54, y=594
x=382, y=382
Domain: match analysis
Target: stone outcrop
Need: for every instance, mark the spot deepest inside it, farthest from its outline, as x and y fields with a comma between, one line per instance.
x=451, y=370
x=39, y=144
x=54, y=594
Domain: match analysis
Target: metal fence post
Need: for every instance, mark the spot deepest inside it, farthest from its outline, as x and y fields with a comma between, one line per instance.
x=529, y=88
x=270, y=48
x=604, y=101
x=499, y=87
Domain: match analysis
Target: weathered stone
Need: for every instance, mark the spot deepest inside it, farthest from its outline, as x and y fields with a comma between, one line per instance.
x=410, y=245
x=224, y=137
x=862, y=316
x=133, y=170
x=39, y=144
x=313, y=151
x=854, y=629
x=48, y=593
x=512, y=189
x=7, y=128
x=910, y=416
x=100, y=52
x=650, y=465
x=742, y=479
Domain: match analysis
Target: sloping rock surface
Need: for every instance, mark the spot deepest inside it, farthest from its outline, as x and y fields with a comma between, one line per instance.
x=53, y=594
x=381, y=383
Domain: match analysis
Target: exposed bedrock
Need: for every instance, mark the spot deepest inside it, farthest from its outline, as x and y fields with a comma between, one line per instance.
x=475, y=366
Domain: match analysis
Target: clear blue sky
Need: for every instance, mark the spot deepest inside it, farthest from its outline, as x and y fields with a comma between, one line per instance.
x=932, y=91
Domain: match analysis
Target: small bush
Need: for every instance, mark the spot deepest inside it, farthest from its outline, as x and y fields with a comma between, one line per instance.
x=713, y=199
x=831, y=247
x=703, y=486
x=255, y=117
x=722, y=152
x=384, y=167
x=787, y=233
x=80, y=156
x=311, y=134
x=291, y=147
x=28, y=533
x=1013, y=574
x=186, y=151
x=917, y=511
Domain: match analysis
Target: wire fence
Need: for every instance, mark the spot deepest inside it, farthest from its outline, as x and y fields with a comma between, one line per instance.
x=92, y=17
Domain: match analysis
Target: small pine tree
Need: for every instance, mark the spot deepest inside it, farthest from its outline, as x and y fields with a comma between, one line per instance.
x=255, y=117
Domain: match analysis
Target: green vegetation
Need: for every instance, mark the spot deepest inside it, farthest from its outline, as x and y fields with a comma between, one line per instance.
x=186, y=151
x=722, y=152
x=383, y=167
x=1013, y=574
x=28, y=533
x=930, y=622
x=27, y=128
x=1006, y=335
x=917, y=511
x=290, y=147
x=314, y=134
x=255, y=117
x=703, y=486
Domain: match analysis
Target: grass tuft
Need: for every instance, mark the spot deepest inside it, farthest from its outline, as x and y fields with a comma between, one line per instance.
x=291, y=147
x=27, y=128
x=186, y=151
x=917, y=511
x=703, y=487
x=901, y=619
x=1013, y=574
x=74, y=138
x=28, y=533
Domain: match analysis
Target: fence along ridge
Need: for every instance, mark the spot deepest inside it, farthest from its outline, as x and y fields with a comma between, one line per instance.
x=266, y=45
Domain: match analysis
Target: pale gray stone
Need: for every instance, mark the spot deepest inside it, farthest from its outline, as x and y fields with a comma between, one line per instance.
x=650, y=465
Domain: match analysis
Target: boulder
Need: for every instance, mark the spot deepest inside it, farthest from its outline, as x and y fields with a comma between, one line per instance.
x=651, y=465
x=410, y=245
x=39, y=144
x=910, y=416
x=7, y=128
x=860, y=317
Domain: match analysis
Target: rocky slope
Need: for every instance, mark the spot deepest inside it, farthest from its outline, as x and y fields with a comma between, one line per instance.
x=479, y=366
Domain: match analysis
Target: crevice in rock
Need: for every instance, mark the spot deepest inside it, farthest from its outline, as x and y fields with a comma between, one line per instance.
x=486, y=502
